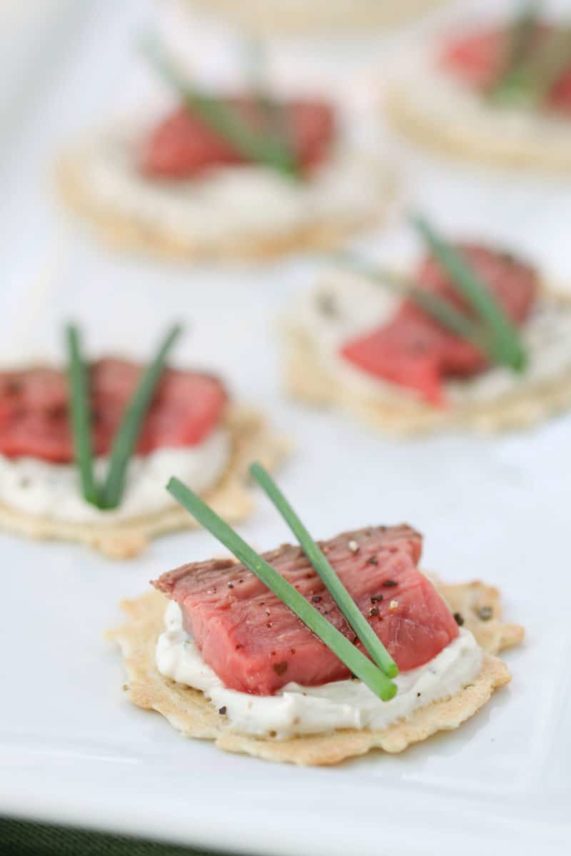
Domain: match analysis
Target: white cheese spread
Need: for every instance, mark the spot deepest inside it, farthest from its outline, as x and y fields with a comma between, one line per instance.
x=231, y=202
x=52, y=490
x=312, y=710
x=343, y=306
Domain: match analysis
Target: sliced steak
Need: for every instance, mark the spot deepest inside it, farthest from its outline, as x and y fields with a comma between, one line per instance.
x=413, y=350
x=256, y=644
x=183, y=145
x=34, y=419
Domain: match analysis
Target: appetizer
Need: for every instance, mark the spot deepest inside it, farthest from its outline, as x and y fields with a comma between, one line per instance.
x=241, y=175
x=494, y=93
x=85, y=455
x=320, y=17
x=469, y=339
x=312, y=654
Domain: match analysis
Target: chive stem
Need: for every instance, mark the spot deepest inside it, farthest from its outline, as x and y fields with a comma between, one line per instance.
x=80, y=415
x=352, y=658
x=439, y=309
x=533, y=65
x=333, y=584
x=504, y=341
x=270, y=108
x=226, y=121
x=130, y=427
x=511, y=82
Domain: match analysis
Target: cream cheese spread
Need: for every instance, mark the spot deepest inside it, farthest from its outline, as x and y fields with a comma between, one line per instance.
x=295, y=709
x=344, y=305
x=52, y=490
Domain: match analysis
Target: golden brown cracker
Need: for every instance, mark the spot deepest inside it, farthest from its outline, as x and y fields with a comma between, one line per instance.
x=400, y=415
x=126, y=232
x=191, y=713
x=485, y=146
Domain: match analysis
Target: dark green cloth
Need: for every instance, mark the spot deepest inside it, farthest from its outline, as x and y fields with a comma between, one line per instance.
x=20, y=838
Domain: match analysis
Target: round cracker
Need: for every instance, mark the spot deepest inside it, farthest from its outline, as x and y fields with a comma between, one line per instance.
x=267, y=18
x=191, y=713
x=410, y=115
x=127, y=233
x=403, y=416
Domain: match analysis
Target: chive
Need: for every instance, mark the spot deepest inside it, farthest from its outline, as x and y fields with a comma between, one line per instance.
x=226, y=121
x=548, y=65
x=335, y=587
x=270, y=108
x=532, y=68
x=349, y=655
x=126, y=438
x=512, y=81
x=80, y=415
x=439, y=309
x=504, y=341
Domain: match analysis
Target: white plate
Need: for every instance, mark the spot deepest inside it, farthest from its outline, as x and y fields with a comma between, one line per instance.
x=71, y=748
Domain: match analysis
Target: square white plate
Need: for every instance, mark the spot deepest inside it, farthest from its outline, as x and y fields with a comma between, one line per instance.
x=71, y=748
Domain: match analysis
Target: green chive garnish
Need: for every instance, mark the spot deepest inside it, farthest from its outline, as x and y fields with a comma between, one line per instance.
x=503, y=341
x=270, y=108
x=352, y=658
x=532, y=66
x=80, y=415
x=512, y=81
x=333, y=584
x=126, y=438
x=259, y=147
x=441, y=310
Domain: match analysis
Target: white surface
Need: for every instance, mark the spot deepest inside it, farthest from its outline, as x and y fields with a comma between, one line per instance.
x=71, y=748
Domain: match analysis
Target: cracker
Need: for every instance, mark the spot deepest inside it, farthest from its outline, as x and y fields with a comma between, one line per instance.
x=317, y=18
x=191, y=713
x=485, y=146
x=127, y=233
x=399, y=415
x=251, y=440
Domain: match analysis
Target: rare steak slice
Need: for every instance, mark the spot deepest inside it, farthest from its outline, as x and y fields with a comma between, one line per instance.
x=414, y=351
x=256, y=644
x=183, y=145
x=34, y=418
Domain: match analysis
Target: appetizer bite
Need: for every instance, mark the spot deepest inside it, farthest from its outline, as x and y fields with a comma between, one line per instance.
x=85, y=455
x=226, y=175
x=316, y=653
x=470, y=338
x=493, y=93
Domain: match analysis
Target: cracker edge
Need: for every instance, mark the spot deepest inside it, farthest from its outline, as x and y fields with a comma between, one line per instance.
x=451, y=138
x=271, y=19
x=190, y=712
x=231, y=498
x=399, y=416
x=126, y=233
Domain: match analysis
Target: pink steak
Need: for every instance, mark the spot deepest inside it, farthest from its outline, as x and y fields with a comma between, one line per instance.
x=255, y=644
